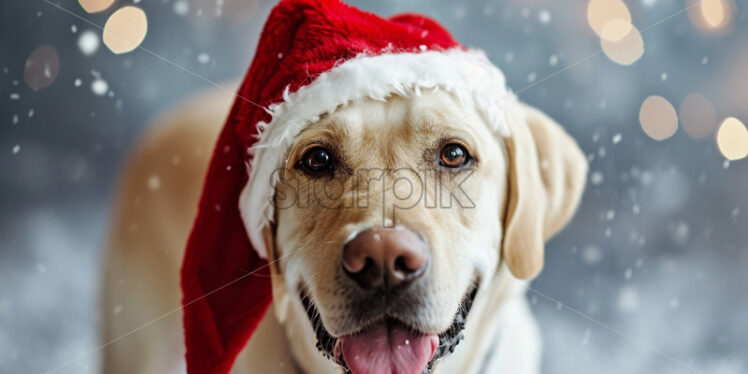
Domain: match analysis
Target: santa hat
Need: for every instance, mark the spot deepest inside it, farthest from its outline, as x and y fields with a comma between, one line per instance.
x=313, y=57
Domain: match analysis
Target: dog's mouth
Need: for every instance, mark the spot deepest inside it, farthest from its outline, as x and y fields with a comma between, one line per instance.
x=389, y=345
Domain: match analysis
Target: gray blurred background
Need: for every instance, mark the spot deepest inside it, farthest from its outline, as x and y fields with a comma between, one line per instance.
x=650, y=277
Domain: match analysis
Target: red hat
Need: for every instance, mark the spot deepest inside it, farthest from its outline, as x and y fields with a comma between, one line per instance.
x=313, y=56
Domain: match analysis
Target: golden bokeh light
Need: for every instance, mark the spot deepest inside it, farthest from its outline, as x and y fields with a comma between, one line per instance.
x=658, y=118
x=697, y=116
x=616, y=30
x=95, y=6
x=712, y=16
x=125, y=29
x=732, y=139
x=602, y=12
x=713, y=12
x=622, y=42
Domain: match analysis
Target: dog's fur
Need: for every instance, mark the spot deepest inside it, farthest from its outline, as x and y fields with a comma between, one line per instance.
x=524, y=188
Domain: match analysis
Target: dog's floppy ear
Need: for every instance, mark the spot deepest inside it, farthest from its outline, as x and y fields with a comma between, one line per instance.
x=547, y=172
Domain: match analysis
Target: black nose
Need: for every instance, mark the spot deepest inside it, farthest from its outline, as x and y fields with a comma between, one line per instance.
x=385, y=257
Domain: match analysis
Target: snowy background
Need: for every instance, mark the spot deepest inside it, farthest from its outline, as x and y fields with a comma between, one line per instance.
x=650, y=277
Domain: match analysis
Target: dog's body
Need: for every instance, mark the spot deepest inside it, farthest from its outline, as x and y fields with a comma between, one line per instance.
x=158, y=201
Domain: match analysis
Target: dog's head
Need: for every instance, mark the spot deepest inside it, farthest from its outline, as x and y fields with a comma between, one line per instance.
x=392, y=216
x=409, y=178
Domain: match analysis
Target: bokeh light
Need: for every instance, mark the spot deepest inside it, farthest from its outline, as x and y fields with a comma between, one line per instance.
x=621, y=42
x=732, y=139
x=712, y=16
x=616, y=30
x=697, y=116
x=95, y=6
x=601, y=12
x=658, y=118
x=99, y=87
x=41, y=67
x=125, y=29
x=713, y=12
x=88, y=42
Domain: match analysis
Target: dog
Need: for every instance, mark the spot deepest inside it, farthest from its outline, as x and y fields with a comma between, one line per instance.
x=542, y=174
x=404, y=231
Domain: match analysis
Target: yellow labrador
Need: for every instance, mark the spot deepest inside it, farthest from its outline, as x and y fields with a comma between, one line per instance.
x=473, y=254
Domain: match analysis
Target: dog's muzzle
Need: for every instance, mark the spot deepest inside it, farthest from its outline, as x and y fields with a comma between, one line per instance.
x=381, y=280
x=446, y=343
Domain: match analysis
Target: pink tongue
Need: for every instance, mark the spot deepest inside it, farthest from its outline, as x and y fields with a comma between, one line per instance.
x=387, y=349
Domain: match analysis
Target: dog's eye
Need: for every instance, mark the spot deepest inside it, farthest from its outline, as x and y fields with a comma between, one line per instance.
x=454, y=156
x=316, y=160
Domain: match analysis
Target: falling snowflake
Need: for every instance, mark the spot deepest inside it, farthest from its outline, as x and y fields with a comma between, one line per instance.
x=509, y=56
x=646, y=178
x=99, y=87
x=586, y=337
x=181, y=8
x=219, y=8
x=488, y=10
x=553, y=60
x=628, y=299
x=88, y=42
x=460, y=12
x=681, y=233
x=544, y=16
x=610, y=214
x=591, y=255
x=203, y=58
